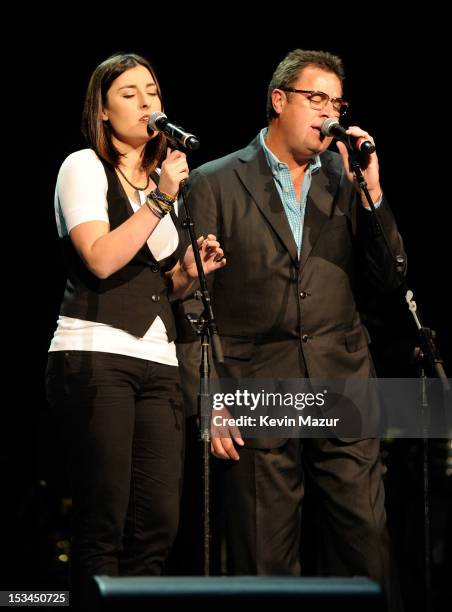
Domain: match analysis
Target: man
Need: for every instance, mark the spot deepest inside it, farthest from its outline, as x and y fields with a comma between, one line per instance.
x=298, y=236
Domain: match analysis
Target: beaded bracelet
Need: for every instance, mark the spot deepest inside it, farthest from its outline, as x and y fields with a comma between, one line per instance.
x=161, y=195
x=164, y=206
x=164, y=198
x=156, y=202
x=155, y=209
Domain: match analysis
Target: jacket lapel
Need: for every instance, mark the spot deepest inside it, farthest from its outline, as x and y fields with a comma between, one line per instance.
x=319, y=207
x=257, y=178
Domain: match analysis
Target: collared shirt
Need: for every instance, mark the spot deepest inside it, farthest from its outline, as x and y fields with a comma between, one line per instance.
x=295, y=210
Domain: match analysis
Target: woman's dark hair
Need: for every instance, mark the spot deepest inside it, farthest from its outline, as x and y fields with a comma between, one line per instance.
x=98, y=132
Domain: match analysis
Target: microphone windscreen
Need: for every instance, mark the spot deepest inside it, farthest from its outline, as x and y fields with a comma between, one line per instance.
x=327, y=128
x=155, y=117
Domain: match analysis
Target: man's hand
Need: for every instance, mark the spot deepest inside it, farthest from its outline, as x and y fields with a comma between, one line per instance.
x=370, y=172
x=223, y=433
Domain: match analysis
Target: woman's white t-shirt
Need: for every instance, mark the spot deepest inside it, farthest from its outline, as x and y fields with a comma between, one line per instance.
x=81, y=196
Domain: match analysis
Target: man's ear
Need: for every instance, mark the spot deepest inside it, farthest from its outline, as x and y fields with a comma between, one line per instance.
x=278, y=100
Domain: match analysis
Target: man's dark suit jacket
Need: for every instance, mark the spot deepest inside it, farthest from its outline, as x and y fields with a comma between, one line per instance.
x=266, y=293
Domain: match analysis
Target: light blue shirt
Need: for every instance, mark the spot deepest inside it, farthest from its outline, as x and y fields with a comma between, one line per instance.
x=295, y=210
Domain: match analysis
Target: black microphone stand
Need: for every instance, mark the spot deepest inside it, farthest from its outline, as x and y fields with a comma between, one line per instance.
x=427, y=354
x=206, y=328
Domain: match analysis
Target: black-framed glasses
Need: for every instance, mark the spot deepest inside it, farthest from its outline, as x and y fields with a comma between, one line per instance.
x=319, y=99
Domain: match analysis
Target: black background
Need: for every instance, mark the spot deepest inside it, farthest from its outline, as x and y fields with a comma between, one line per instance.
x=214, y=70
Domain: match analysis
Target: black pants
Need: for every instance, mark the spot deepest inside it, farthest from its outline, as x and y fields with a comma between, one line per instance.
x=262, y=498
x=263, y=494
x=122, y=421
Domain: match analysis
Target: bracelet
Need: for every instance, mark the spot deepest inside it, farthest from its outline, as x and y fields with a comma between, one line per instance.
x=165, y=196
x=163, y=199
x=163, y=206
x=155, y=210
x=157, y=205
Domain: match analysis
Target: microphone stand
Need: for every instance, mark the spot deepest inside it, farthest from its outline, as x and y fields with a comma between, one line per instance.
x=206, y=328
x=428, y=354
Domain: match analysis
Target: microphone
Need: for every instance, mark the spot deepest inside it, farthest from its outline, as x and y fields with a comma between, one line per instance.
x=332, y=127
x=158, y=122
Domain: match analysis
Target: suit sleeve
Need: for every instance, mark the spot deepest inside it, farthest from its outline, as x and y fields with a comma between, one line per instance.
x=377, y=262
x=203, y=205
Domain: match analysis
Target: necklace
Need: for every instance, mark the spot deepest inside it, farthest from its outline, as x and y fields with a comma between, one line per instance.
x=131, y=184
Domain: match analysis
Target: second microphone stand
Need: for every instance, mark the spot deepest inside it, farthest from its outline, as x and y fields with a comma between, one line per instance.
x=206, y=328
x=430, y=355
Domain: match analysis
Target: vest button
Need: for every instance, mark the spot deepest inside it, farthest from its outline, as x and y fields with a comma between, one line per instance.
x=155, y=298
x=303, y=294
x=155, y=268
x=305, y=337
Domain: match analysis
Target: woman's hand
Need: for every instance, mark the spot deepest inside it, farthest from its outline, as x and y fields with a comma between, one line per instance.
x=212, y=257
x=184, y=275
x=174, y=170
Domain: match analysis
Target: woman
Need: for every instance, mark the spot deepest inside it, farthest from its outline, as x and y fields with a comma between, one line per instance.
x=112, y=373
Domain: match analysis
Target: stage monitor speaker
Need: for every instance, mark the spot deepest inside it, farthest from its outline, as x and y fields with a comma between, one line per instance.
x=236, y=593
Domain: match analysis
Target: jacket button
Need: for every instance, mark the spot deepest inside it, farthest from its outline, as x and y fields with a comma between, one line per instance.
x=155, y=268
x=303, y=294
x=155, y=298
x=305, y=337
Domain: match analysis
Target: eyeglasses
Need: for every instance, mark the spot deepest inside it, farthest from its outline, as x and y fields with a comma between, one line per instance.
x=319, y=99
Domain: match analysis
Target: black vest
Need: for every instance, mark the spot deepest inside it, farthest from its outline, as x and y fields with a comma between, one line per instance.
x=131, y=298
